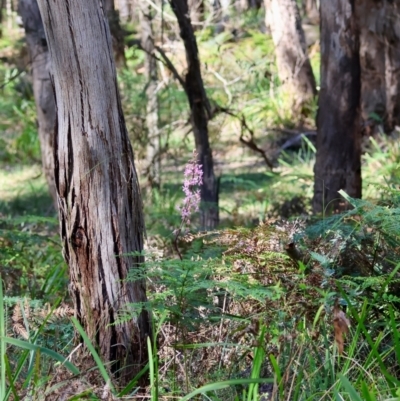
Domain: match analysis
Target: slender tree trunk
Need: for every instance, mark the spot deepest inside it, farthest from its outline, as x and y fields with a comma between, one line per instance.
x=42, y=87
x=294, y=68
x=2, y=7
x=153, y=167
x=200, y=114
x=117, y=33
x=380, y=61
x=338, y=163
x=126, y=9
x=245, y=5
x=311, y=11
x=100, y=207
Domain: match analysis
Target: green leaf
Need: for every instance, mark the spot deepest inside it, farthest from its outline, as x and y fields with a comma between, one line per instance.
x=32, y=347
x=224, y=384
x=95, y=355
x=354, y=396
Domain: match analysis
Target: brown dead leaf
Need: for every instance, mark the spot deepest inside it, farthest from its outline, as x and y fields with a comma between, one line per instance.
x=341, y=325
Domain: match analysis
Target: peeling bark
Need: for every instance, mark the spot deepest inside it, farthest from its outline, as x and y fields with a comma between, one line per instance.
x=338, y=161
x=42, y=87
x=200, y=114
x=100, y=209
x=294, y=68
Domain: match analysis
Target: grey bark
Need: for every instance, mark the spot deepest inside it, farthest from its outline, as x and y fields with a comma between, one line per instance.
x=294, y=68
x=42, y=87
x=100, y=208
x=153, y=166
x=338, y=160
x=379, y=26
x=200, y=114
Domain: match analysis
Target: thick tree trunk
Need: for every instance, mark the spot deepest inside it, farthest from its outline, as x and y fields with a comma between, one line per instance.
x=200, y=114
x=42, y=87
x=294, y=68
x=338, y=163
x=117, y=33
x=153, y=167
x=380, y=61
x=100, y=206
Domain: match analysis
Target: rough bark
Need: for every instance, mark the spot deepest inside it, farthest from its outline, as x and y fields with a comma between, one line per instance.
x=42, y=87
x=380, y=61
x=153, y=168
x=294, y=68
x=338, y=160
x=200, y=114
x=117, y=33
x=100, y=207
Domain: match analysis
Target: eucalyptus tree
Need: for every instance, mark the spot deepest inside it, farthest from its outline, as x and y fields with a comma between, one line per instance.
x=100, y=207
x=200, y=114
x=294, y=68
x=338, y=159
x=153, y=140
x=42, y=87
x=378, y=24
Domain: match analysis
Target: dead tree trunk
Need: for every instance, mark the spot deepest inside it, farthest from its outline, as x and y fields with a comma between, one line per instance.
x=380, y=62
x=294, y=68
x=338, y=162
x=100, y=209
x=153, y=167
x=200, y=114
x=42, y=88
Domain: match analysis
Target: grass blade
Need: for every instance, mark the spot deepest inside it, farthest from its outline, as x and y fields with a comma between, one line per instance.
x=95, y=355
x=32, y=347
x=222, y=385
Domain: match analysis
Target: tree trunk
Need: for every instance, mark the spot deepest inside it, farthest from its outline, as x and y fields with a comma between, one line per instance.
x=380, y=62
x=200, y=114
x=2, y=6
x=126, y=10
x=294, y=68
x=42, y=87
x=338, y=162
x=153, y=167
x=100, y=207
x=117, y=33
x=311, y=11
x=245, y=5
